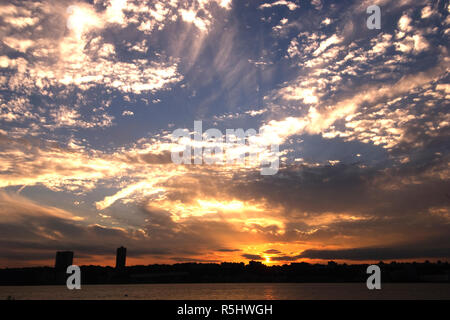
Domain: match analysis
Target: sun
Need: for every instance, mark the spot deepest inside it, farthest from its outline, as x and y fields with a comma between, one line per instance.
x=81, y=18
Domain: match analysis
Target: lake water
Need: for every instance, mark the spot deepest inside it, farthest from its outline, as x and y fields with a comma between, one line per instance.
x=233, y=291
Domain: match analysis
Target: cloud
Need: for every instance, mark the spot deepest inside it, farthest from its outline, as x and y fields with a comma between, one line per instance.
x=128, y=113
x=228, y=250
x=285, y=258
x=427, y=12
x=253, y=257
x=289, y=4
x=65, y=117
x=359, y=254
x=272, y=251
x=317, y=121
x=36, y=231
x=81, y=57
x=15, y=207
x=317, y=4
x=334, y=39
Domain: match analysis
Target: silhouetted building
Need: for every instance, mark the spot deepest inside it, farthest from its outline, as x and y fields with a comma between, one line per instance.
x=121, y=257
x=63, y=260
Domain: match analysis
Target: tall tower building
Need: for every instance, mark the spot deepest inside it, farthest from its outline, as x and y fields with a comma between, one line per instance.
x=63, y=260
x=121, y=257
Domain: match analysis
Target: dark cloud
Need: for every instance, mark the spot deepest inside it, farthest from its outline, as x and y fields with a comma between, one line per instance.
x=272, y=251
x=153, y=158
x=285, y=258
x=252, y=257
x=199, y=260
x=228, y=250
x=377, y=253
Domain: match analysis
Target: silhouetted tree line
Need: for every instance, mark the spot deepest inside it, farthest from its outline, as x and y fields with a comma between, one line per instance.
x=231, y=272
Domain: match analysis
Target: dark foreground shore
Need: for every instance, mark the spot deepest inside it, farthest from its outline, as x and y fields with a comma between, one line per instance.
x=254, y=272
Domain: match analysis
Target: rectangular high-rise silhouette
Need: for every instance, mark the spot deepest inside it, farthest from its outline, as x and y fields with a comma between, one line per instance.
x=63, y=260
x=121, y=257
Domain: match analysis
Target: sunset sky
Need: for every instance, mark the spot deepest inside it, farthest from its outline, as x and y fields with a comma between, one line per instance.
x=90, y=93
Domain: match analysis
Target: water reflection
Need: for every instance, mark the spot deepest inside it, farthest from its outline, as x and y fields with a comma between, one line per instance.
x=269, y=293
x=233, y=291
